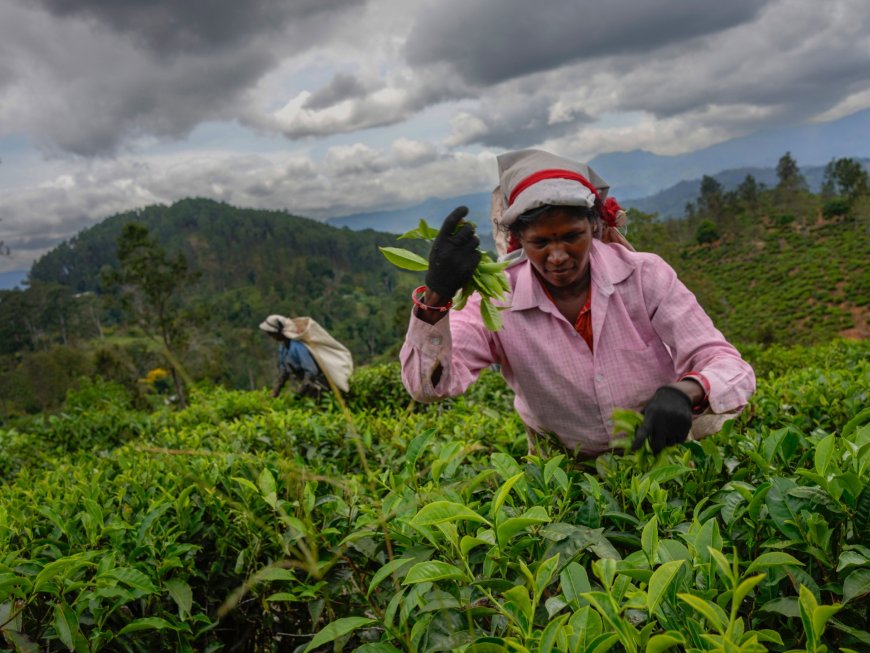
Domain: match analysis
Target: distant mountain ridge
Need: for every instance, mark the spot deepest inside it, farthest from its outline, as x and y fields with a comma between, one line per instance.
x=638, y=173
x=663, y=184
x=433, y=210
x=669, y=203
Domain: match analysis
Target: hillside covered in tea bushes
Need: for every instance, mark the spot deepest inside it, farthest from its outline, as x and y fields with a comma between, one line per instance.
x=377, y=525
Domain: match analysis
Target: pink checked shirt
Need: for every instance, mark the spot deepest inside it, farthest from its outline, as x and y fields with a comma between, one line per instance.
x=648, y=330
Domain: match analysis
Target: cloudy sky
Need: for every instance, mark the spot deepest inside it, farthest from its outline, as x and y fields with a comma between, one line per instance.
x=329, y=107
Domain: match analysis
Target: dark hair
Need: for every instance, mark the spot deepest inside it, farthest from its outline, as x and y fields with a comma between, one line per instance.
x=526, y=219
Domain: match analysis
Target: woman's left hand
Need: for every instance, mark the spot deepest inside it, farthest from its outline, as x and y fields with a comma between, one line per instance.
x=667, y=419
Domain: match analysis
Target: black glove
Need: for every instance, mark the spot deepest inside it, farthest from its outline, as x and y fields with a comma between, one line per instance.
x=453, y=256
x=667, y=419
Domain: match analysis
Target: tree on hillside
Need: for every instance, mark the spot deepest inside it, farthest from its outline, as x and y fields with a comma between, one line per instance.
x=749, y=192
x=706, y=232
x=791, y=190
x=846, y=177
x=149, y=283
x=789, y=175
x=710, y=201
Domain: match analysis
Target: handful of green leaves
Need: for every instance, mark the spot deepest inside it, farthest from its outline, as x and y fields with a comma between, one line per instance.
x=489, y=278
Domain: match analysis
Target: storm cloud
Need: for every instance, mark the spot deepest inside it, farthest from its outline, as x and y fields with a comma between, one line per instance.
x=491, y=41
x=328, y=107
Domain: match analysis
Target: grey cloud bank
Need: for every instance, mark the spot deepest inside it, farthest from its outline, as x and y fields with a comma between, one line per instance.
x=379, y=104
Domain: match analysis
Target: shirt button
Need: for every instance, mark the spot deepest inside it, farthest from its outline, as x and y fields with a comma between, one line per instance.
x=435, y=340
x=610, y=423
x=598, y=378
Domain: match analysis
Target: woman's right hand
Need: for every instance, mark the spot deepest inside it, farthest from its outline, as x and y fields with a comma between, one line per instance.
x=454, y=255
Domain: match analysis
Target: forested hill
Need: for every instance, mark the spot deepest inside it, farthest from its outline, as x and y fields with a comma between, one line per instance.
x=278, y=254
x=246, y=264
x=250, y=263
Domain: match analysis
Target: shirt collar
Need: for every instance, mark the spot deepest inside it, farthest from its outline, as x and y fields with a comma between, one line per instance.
x=608, y=269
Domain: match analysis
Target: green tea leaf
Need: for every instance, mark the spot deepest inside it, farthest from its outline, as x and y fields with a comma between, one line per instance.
x=772, y=559
x=659, y=582
x=432, y=571
x=467, y=543
x=386, y=570
x=130, y=577
x=503, y=492
x=267, y=483
x=862, y=513
x=659, y=643
x=574, y=581
x=714, y=615
x=824, y=454
x=856, y=585
x=602, y=643
x=64, y=566
x=745, y=587
x=405, y=259
x=723, y=565
x=416, y=447
x=551, y=634
x=147, y=623
x=649, y=540
x=336, y=629
x=488, y=645
x=544, y=574
x=66, y=624
x=181, y=593
x=490, y=314
x=519, y=596
x=514, y=525
x=442, y=511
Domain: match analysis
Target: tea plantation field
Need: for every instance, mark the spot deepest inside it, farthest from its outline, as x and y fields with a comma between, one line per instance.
x=375, y=525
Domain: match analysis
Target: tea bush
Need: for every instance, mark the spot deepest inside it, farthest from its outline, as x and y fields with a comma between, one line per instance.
x=375, y=525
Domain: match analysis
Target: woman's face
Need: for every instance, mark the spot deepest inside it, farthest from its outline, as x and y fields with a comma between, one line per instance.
x=557, y=245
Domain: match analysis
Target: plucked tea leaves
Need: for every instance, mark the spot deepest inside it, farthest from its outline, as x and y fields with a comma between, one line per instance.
x=489, y=279
x=405, y=259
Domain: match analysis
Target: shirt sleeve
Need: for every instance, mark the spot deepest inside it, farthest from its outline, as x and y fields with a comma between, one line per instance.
x=698, y=348
x=459, y=343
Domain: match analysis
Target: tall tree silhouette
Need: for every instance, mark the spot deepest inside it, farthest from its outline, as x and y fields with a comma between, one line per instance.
x=149, y=282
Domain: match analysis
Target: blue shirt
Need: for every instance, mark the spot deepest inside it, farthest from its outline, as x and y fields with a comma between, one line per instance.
x=294, y=358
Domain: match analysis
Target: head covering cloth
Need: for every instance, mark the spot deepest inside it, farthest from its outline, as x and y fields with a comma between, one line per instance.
x=529, y=179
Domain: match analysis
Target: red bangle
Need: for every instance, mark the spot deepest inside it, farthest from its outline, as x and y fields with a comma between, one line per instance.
x=415, y=297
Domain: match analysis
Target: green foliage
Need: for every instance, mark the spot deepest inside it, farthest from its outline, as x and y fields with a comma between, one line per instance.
x=149, y=284
x=771, y=286
x=707, y=232
x=247, y=264
x=846, y=177
x=789, y=175
x=489, y=280
x=243, y=523
x=835, y=207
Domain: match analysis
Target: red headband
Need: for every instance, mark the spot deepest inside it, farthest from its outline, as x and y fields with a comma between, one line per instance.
x=608, y=209
x=552, y=173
